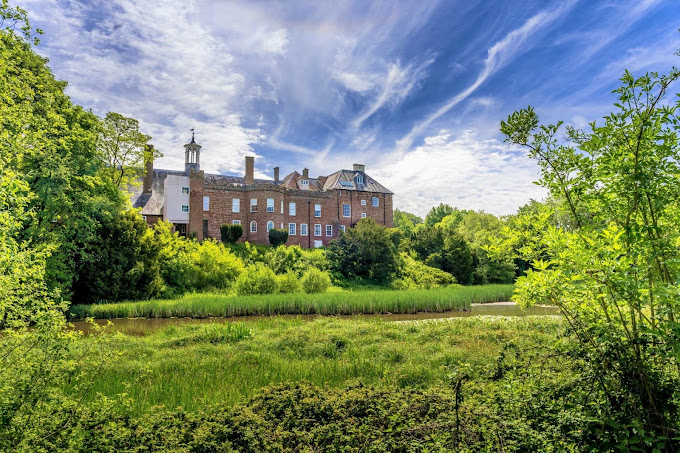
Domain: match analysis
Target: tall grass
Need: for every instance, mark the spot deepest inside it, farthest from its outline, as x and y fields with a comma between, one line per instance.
x=194, y=365
x=339, y=303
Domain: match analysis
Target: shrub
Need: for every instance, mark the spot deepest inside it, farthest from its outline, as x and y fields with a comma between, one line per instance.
x=366, y=251
x=289, y=283
x=231, y=233
x=213, y=266
x=416, y=275
x=284, y=259
x=256, y=279
x=277, y=237
x=315, y=281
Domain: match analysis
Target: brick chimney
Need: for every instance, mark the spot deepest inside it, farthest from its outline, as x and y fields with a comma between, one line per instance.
x=305, y=173
x=276, y=174
x=359, y=167
x=148, y=175
x=250, y=170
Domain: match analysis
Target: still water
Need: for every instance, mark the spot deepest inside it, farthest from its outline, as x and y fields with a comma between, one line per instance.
x=141, y=326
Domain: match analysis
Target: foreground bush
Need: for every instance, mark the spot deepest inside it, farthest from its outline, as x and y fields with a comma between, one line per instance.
x=416, y=275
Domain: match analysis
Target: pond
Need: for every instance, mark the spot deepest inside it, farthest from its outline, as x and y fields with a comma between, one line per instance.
x=142, y=326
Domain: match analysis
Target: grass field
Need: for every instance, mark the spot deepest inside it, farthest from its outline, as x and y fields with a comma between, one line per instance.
x=332, y=303
x=195, y=365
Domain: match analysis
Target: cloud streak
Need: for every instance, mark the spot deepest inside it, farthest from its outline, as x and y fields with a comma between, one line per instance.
x=513, y=44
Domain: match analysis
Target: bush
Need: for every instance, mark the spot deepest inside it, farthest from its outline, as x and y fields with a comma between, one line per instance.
x=256, y=279
x=315, y=281
x=289, y=283
x=277, y=237
x=122, y=264
x=366, y=251
x=231, y=233
x=416, y=275
x=284, y=259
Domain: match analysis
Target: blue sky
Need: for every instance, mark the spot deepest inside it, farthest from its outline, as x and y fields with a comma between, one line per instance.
x=415, y=90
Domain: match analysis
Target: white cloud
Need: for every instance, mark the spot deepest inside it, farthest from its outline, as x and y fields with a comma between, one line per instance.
x=154, y=61
x=463, y=172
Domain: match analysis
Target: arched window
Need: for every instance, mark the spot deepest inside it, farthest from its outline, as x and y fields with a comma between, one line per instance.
x=253, y=227
x=270, y=225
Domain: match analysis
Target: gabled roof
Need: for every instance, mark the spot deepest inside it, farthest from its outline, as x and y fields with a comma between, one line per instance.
x=347, y=180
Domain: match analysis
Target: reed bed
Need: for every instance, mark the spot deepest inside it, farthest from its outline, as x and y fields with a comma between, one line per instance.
x=335, y=303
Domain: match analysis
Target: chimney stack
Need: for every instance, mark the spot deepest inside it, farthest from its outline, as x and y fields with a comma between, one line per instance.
x=250, y=170
x=148, y=175
x=276, y=174
x=305, y=173
x=359, y=167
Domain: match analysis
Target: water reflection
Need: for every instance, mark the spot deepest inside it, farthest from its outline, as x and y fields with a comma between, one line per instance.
x=141, y=326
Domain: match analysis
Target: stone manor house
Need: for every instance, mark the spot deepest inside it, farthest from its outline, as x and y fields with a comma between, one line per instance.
x=313, y=210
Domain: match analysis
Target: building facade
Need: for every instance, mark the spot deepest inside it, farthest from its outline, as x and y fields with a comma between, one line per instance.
x=312, y=210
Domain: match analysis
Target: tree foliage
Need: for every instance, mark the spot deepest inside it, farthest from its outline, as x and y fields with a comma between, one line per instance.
x=365, y=251
x=124, y=149
x=614, y=267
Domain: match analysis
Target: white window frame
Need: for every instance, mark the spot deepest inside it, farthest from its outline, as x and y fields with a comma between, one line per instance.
x=317, y=210
x=363, y=215
x=346, y=212
x=317, y=229
x=235, y=205
x=185, y=206
x=206, y=203
x=281, y=206
x=185, y=190
x=292, y=208
x=292, y=229
x=270, y=205
x=343, y=228
x=363, y=202
x=253, y=205
x=329, y=230
x=235, y=222
x=375, y=202
x=303, y=229
x=270, y=226
x=253, y=226
x=360, y=179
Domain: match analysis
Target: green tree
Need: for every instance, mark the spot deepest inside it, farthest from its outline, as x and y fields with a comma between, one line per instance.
x=437, y=213
x=124, y=149
x=406, y=221
x=365, y=251
x=51, y=143
x=615, y=270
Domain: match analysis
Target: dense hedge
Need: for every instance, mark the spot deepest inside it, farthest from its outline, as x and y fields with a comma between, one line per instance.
x=302, y=417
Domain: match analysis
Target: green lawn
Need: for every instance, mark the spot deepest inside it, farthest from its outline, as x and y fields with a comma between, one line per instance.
x=332, y=303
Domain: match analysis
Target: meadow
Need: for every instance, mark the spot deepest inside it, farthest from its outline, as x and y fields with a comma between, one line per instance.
x=192, y=366
x=207, y=305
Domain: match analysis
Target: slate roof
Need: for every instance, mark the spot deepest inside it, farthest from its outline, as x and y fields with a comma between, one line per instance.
x=346, y=180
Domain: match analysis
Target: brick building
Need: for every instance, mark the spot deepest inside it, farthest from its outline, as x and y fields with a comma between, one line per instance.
x=313, y=210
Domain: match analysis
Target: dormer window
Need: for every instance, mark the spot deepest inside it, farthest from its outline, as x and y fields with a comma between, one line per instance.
x=304, y=182
x=360, y=179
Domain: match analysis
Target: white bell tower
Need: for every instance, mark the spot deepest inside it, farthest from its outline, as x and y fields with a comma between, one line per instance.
x=192, y=155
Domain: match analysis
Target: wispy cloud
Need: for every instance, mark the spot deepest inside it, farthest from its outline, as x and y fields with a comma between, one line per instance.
x=513, y=44
x=396, y=85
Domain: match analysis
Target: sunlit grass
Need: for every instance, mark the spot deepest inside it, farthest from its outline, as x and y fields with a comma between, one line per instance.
x=194, y=365
x=334, y=303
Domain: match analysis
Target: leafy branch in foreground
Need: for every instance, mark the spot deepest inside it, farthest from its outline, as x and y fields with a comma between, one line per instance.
x=614, y=267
